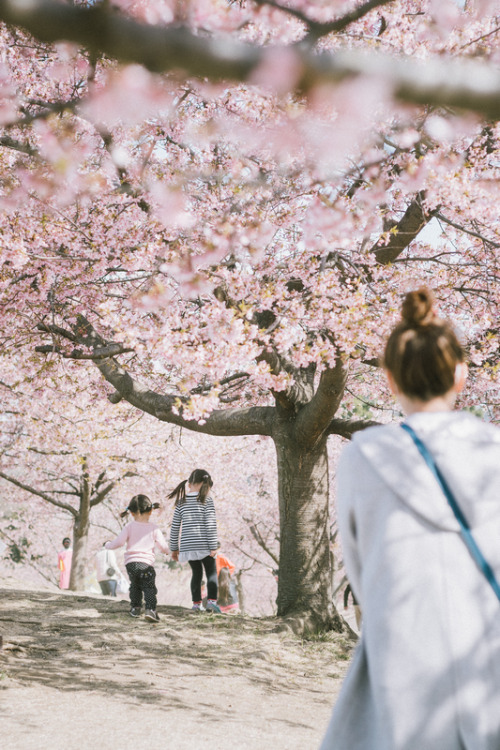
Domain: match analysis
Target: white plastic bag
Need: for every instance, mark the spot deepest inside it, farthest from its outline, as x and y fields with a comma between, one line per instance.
x=122, y=586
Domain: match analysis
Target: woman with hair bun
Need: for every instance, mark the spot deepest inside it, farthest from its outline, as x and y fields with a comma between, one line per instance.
x=419, y=520
x=195, y=512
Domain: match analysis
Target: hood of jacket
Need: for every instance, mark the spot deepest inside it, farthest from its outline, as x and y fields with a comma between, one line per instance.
x=466, y=450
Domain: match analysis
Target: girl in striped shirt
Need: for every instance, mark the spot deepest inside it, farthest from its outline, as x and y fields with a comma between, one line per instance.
x=195, y=512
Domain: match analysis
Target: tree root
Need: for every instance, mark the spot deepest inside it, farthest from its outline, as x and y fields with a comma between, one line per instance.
x=305, y=624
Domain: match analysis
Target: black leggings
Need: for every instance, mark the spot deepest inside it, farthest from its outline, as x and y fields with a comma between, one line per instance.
x=197, y=566
x=142, y=581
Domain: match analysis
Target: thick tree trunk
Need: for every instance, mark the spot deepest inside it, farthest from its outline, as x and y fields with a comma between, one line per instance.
x=79, y=563
x=240, y=591
x=80, y=539
x=305, y=579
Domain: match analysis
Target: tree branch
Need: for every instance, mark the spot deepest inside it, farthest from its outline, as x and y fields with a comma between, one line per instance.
x=39, y=493
x=56, y=331
x=260, y=539
x=317, y=30
x=29, y=559
x=314, y=418
x=48, y=109
x=463, y=229
x=403, y=232
x=111, y=350
x=102, y=494
x=230, y=422
x=251, y=557
x=24, y=148
x=469, y=85
x=347, y=427
x=322, y=29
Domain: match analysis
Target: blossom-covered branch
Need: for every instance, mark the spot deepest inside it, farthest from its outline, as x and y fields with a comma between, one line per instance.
x=165, y=407
x=468, y=85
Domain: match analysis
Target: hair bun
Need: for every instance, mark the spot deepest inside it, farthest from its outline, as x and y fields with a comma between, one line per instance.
x=416, y=309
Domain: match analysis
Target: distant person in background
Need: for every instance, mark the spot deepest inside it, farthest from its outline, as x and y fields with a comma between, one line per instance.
x=64, y=559
x=227, y=595
x=107, y=571
x=357, y=608
x=195, y=513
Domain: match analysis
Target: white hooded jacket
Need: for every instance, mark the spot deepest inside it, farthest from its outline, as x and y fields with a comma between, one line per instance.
x=426, y=673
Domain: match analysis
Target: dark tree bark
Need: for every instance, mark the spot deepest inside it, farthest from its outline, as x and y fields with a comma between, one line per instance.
x=304, y=582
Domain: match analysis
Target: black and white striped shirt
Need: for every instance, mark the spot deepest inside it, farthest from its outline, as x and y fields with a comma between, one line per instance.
x=199, y=526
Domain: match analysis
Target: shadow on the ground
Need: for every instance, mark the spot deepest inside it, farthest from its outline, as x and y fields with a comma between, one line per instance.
x=71, y=642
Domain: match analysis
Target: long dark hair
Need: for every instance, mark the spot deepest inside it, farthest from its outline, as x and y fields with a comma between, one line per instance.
x=139, y=504
x=196, y=476
x=224, y=592
x=422, y=351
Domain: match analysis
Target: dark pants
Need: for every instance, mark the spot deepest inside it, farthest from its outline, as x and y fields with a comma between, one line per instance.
x=108, y=588
x=142, y=581
x=211, y=573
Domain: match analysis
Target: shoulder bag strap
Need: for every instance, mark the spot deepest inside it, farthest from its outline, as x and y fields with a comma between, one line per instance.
x=469, y=540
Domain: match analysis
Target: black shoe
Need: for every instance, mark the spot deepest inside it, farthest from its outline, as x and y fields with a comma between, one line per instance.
x=135, y=612
x=152, y=615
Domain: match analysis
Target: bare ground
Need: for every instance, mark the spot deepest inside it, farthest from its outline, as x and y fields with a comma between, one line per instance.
x=77, y=671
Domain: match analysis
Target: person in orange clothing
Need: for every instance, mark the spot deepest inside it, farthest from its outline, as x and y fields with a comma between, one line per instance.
x=64, y=559
x=228, y=596
x=221, y=561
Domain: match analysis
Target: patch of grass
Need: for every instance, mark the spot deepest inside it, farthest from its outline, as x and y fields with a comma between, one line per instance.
x=326, y=637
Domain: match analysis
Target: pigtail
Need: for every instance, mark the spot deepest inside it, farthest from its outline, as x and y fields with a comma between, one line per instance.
x=139, y=504
x=179, y=493
x=200, y=476
x=204, y=489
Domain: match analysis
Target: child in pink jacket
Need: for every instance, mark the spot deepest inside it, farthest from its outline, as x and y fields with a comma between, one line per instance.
x=141, y=537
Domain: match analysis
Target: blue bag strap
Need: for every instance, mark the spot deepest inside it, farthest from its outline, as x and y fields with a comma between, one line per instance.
x=469, y=540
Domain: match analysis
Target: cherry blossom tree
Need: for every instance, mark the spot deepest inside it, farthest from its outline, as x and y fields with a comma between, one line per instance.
x=69, y=465
x=64, y=453
x=218, y=205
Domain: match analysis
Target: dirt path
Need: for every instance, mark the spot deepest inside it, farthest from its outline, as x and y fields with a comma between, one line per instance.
x=78, y=671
